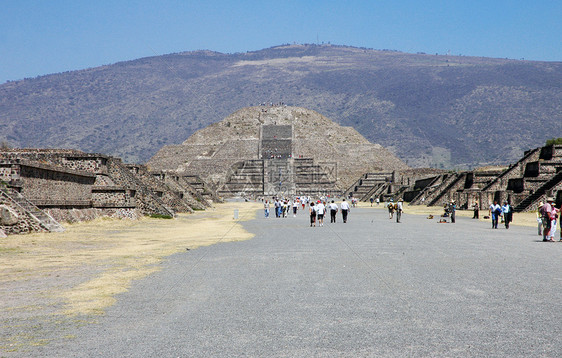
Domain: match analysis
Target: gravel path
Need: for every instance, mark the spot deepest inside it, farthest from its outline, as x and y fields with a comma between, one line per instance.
x=367, y=288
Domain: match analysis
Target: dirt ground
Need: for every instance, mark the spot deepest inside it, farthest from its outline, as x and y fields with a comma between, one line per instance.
x=66, y=279
x=53, y=276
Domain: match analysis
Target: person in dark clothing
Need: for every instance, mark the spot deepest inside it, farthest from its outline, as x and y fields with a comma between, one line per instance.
x=476, y=211
x=453, y=210
x=507, y=212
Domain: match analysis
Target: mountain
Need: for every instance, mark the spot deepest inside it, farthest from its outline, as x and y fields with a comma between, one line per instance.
x=430, y=110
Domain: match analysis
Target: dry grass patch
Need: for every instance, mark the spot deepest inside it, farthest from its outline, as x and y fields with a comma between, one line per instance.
x=79, y=271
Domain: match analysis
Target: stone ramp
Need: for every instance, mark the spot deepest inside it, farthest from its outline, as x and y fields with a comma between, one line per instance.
x=33, y=212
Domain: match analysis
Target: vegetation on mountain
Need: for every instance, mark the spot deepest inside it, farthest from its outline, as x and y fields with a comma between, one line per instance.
x=430, y=110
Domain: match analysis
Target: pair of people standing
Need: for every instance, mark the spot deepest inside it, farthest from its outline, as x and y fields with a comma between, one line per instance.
x=496, y=212
x=397, y=207
x=317, y=211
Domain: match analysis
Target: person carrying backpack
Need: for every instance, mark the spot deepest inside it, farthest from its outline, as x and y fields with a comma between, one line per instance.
x=390, y=207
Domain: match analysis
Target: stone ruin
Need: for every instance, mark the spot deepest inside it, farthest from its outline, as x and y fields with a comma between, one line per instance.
x=536, y=176
x=41, y=187
x=277, y=150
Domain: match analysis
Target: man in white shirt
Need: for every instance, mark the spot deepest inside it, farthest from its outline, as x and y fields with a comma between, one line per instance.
x=333, y=210
x=344, y=206
x=495, y=211
x=295, y=207
x=320, y=210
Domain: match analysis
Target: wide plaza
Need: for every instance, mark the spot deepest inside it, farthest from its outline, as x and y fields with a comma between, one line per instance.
x=370, y=287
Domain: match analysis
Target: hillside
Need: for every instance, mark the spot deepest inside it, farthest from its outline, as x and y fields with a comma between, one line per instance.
x=430, y=110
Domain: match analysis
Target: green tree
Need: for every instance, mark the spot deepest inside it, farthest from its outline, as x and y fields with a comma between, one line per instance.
x=554, y=141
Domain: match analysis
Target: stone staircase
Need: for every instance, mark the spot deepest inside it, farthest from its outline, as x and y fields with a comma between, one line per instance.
x=375, y=191
x=200, y=186
x=279, y=177
x=539, y=193
x=514, y=169
x=417, y=200
x=247, y=178
x=314, y=179
x=41, y=217
x=369, y=182
x=444, y=188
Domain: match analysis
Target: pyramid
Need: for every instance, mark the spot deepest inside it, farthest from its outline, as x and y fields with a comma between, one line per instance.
x=255, y=144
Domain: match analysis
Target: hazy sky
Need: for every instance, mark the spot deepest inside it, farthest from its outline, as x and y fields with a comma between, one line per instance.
x=42, y=37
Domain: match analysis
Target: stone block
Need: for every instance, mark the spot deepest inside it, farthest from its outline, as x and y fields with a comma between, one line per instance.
x=8, y=217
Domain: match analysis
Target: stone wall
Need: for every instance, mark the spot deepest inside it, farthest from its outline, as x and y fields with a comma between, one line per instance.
x=113, y=197
x=96, y=164
x=46, y=186
x=72, y=215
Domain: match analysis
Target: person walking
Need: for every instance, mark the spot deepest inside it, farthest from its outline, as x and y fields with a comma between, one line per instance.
x=333, y=211
x=399, y=209
x=320, y=209
x=371, y=200
x=312, y=211
x=266, y=209
x=390, y=207
x=277, y=206
x=507, y=212
x=344, y=206
x=495, y=213
x=284, y=208
x=295, y=207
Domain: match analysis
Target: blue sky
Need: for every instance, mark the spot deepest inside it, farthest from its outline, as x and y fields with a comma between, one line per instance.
x=42, y=37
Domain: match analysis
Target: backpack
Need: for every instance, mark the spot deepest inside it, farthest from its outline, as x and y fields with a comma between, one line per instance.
x=395, y=206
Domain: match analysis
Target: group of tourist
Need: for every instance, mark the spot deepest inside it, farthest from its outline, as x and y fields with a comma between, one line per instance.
x=547, y=213
x=281, y=207
x=317, y=209
x=547, y=217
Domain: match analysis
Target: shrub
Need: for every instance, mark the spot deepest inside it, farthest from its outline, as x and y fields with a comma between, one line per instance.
x=160, y=216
